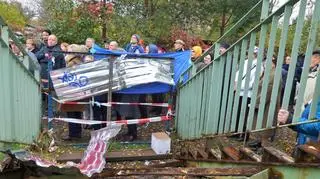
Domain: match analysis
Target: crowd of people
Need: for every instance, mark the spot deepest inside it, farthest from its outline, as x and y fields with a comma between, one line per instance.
x=49, y=47
x=284, y=115
x=49, y=42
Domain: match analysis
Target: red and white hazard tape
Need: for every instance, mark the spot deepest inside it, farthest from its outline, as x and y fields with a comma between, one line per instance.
x=124, y=122
x=113, y=103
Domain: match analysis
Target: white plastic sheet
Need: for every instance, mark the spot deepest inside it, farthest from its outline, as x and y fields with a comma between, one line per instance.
x=91, y=79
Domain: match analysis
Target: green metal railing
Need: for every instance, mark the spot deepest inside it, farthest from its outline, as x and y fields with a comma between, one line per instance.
x=20, y=94
x=208, y=102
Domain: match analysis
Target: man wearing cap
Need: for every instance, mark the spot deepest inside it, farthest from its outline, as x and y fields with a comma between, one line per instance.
x=179, y=45
x=134, y=46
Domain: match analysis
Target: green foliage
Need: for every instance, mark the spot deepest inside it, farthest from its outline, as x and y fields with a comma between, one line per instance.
x=155, y=20
x=70, y=22
x=12, y=15
x=2, y=156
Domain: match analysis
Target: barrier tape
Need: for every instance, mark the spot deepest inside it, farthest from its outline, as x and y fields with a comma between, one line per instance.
x=123, y=122
x=112, y=103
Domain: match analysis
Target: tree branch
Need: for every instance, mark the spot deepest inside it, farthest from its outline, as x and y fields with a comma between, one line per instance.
x=227, y=21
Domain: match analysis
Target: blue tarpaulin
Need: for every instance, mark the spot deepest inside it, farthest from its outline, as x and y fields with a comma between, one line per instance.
x=181, y=62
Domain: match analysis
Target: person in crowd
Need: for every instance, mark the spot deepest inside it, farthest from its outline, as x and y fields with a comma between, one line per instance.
x=133, y=46
x=265, y=136
x=32, y=50
x=44, y=37
x=50, y=52
x=71, y=60
x=113, y=45
x=250, y=73
x=106, y=45
x=179, y=45
x=152, y=49
x=207, y=59
x=32, y=46
x=90, y=42
x=64, y=46
x=156, y=98
x=307, y=130
x=15, y=49
x=296, y=79
x=223, y=48
x=197, y=65
x=129, y=112
x=99, y=112
x=312, y=78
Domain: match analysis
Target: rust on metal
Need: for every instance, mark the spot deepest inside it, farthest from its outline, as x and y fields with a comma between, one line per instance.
x=271, y=153
x=244, y=171
x=129, y=155
x=250, y=154
x=232, y=153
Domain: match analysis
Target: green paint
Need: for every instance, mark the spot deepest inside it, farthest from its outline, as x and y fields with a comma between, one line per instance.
x=294, y=54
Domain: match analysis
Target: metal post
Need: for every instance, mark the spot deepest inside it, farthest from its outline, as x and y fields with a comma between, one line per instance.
x=109, y=111
x=50, y=110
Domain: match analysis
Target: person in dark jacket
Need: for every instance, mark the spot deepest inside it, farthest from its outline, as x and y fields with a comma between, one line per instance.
x=50, y=52
x=44, y=36
x=296, y=79
x=133, y=46
x=179, y=45
x=151, y=49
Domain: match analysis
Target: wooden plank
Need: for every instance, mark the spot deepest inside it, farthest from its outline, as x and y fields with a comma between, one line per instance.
x=129, y=155
x=193, y=153
x=249, y=153
x=270, y=153
x=243, y=171
x=216, y=153
x=232, y=153
x=202, y=153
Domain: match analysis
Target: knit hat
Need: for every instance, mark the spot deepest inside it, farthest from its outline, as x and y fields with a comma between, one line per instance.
x=137, y=36
x=197, y=50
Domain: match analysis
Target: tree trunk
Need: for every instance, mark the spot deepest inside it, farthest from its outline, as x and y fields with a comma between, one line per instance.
x=146, y=7
x=223, y=22
x=104, y=24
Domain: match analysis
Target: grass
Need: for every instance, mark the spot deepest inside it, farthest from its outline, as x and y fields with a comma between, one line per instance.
x=10, y=146
x=2, y=156
x=117, y=146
